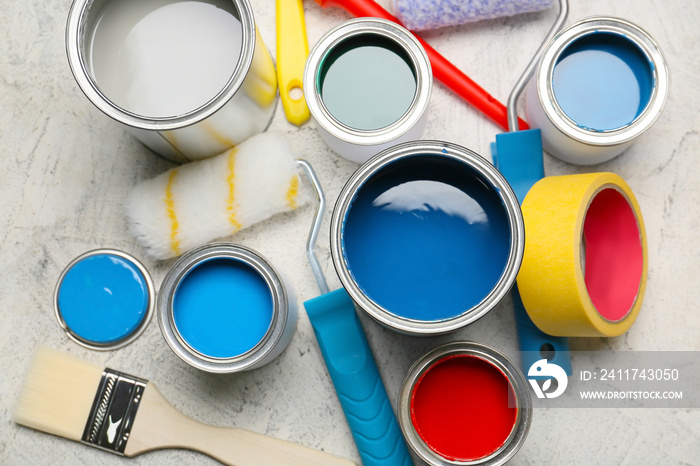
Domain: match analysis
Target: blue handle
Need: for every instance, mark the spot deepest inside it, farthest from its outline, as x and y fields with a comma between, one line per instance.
x=535, y=344
x=518, y=156
x=356, y=379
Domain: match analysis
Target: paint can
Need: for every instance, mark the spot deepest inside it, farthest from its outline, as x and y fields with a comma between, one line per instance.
x=367, y=83
x=465, y=403
x=104, y=299
x=223, y=308
x=600, y=84
x=427, y=237
x=188, y=79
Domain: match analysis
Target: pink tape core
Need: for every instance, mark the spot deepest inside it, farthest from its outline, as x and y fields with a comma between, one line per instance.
x=614, y=256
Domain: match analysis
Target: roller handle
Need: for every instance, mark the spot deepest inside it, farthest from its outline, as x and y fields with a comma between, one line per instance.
x=292, y=52
x=356, y=379
x=443, y=70
x=518, y=156
x=534, y=344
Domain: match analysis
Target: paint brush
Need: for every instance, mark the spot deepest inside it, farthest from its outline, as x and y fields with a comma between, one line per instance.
x=127, y=415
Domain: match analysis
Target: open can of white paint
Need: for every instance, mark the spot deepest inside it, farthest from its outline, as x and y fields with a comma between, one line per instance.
x=188, y=79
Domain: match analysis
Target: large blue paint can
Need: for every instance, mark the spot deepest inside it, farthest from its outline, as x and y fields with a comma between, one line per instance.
x=427, y=237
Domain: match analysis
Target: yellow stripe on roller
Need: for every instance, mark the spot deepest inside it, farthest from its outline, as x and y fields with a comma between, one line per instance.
x=292, y=192
x=170, y=211
x=231, y=204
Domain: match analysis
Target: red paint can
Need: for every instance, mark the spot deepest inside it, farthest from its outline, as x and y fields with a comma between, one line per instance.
x=465, y=403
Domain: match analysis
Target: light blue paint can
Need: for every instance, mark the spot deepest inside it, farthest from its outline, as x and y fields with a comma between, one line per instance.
x=427, y=237
x=104, y=299
x=599, y=85
x=223, y=308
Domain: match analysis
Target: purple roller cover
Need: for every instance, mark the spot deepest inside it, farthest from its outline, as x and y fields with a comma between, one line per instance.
x=420, y=15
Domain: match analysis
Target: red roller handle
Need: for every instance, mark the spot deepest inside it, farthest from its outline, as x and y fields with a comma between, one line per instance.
x=443, y=70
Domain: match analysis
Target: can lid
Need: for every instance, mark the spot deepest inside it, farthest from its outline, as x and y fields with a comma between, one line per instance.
x=104, y=299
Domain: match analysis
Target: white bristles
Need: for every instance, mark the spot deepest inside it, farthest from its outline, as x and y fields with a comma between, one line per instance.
x=201, y=201
x=57, y=395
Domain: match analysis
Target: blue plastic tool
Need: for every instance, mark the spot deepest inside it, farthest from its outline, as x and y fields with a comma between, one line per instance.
x=518, y=156
x=350, y=363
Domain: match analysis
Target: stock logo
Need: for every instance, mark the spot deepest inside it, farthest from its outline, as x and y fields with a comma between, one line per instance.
x=546, y=371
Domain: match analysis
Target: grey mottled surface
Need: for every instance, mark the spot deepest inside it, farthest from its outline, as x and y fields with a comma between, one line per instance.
x=65, y=169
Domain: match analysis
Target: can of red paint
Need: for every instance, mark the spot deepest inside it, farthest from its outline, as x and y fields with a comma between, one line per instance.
x=465, y=403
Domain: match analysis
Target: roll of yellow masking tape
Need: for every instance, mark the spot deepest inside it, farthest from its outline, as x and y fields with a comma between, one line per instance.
x=585, y=264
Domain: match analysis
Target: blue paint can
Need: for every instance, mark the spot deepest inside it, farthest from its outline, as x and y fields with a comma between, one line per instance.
x=427, y=237
x=104, y=299
x=600, y=84
x=223, y=308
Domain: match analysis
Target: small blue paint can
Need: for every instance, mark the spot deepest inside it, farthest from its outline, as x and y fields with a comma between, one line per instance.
x=104, y=299
x=223, y=308
x=600, y=84
x=427, y=237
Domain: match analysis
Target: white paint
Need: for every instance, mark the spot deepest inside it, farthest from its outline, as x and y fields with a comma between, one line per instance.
x=163, y=58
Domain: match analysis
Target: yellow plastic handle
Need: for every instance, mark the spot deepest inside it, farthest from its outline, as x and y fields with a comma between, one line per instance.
x=292, y=51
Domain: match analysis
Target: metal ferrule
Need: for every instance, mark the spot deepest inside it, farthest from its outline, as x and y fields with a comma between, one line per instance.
x=569, y=141
x=113, y=411
x=359, y=145
x=278, y=335
x=490, y=175
x=517, y=381
x=250, y=93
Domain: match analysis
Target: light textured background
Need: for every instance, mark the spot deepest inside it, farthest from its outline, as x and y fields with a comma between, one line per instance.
x=65, y=169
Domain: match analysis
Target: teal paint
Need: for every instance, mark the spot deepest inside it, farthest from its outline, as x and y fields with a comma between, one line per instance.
x=222, y=308
x=603, y=81
x=367, y=82
x=103, y=298
x=426, y=238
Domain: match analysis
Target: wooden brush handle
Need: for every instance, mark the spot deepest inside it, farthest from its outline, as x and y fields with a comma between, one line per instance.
x=158, y=425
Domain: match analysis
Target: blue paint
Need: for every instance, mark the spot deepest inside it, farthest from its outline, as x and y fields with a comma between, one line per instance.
x=103, y=298
x=222, y=308
x=426, y=238
x=603, y=81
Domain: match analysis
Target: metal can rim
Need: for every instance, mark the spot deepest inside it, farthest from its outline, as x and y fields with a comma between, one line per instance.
x=419, y=60
x=484, y=168
x=74, y=38
x=639, y=38
x=490, y=354
x=179, y=270
x=140, y=328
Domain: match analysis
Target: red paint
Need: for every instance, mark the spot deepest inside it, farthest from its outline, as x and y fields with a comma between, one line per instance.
x=460, y=408
x=614, y=257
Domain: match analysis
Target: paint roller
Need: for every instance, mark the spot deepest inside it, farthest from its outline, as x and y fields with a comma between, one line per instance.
x=350, y=362
x=518, y=156
x=197, y=202
x=421, y=15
